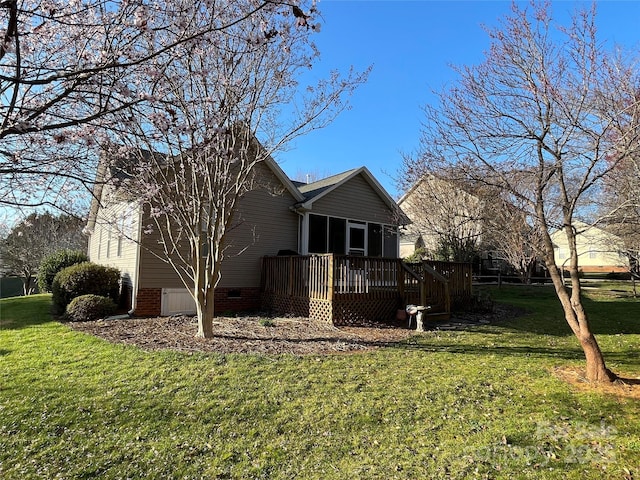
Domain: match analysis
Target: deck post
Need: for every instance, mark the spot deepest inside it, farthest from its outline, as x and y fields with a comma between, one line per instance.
x=401, y=280
x=330, y=277
x=290, y=284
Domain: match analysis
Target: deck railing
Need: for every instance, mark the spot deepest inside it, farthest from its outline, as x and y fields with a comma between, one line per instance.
x=344, y=287
x=324, y=276
x=365, y=275
x=459, y=279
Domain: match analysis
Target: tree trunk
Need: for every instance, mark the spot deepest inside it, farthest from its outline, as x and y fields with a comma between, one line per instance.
x=596, y=368
x=576, y=317
x=205, y=309
x=27, y=288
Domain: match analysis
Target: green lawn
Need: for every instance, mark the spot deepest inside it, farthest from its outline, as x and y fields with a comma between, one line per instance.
x=475, y=404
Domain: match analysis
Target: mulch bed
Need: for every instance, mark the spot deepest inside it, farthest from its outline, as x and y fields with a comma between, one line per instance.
x=298, y=336
x=622, y=387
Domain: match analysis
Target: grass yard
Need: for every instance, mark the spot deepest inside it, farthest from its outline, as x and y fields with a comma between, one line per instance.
x=480, y=403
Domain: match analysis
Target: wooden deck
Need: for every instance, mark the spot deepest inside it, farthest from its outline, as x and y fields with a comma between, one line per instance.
x=350, y=290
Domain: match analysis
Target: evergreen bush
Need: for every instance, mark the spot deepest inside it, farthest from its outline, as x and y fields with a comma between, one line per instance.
x=90, y=307
x=82, y=279
x=55, y=262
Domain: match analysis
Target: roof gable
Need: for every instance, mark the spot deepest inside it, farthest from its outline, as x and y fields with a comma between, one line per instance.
x=427, y=181
x=282, y=177
x=316, y=190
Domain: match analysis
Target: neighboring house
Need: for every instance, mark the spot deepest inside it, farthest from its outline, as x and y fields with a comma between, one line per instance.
x=598, y=250
x=410, y=243
x=347, y=213
x=439, y=210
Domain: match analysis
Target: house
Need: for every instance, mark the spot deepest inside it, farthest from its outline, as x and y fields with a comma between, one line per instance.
x=598, y=250
x=411, y=243
x=349, y=213
x=441, y=212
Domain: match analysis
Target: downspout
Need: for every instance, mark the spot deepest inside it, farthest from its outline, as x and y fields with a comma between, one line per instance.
x=303, y=233
x=136, y=274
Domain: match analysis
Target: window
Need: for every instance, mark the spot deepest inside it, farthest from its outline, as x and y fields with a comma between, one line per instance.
x=317, y=234
x=357, y=238
x=593, y=253
x=374, y=237
x=352, y=237
x=108, y=243
x=337, y=235
x=121, y=229
x=562, y=254
x=390, y=242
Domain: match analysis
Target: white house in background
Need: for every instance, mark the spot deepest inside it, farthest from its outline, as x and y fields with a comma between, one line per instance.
x=439, y=208
x=598, y=250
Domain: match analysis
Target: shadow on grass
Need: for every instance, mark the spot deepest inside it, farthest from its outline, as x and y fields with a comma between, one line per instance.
x=500, y=350
x=605, y=318
x=611, y=318
x=24, y=312
x=607, y=315
x=627, y=357
x=628, y=381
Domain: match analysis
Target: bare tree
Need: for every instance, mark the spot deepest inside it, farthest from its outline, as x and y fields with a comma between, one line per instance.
x=512, y=233
x=620, y=208
x=205, y=111
x=35, y=237
x=66, y=69
x=551, y=105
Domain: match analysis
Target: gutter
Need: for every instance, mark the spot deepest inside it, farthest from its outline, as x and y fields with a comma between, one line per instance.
x=301, y=214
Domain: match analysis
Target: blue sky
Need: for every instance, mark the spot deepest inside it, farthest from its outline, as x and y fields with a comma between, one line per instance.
x=411, y=45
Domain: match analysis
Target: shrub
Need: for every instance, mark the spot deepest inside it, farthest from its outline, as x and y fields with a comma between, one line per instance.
x=416, y=256
x=82, y=279
x=55, y=262
x=481, y=302
x=90, y=307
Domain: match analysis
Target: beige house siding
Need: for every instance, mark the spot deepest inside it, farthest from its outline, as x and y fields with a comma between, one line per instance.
x=113, y=240
x=436, y=207
x=598, y=250
x=263, y=224
x=153, y=271
x=355, y=200
x=266, y=225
